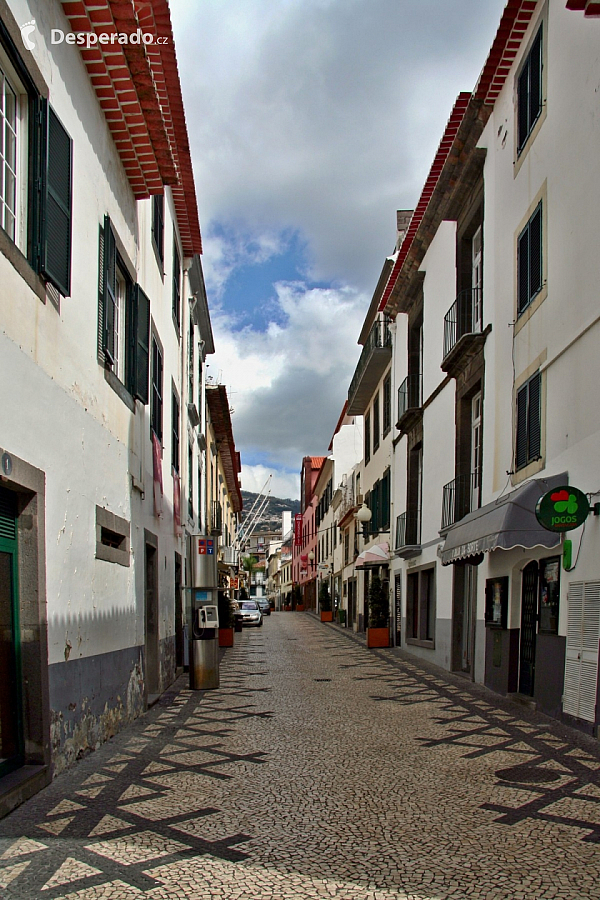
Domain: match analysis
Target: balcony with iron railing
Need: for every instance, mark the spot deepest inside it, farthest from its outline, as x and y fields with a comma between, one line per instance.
x=463, y=330
x=408, y=533
x=460, y=497
x=375, y=357
x=410, y=401
x=216, y=518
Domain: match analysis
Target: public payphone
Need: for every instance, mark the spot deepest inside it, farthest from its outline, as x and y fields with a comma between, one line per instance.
x=204, y=630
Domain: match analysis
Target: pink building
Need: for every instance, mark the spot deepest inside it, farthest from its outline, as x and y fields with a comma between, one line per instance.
x=304, y=565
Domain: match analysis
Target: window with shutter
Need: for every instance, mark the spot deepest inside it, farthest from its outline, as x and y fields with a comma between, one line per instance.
x=529, y=92
x=156, y=405
x=56, y=244
x=110, y=291
x=158, y=227
x=175, y=432
x=376, y=429
x=123, y=319
x=387, y=403
x=528, y=442
x=176, y=282
x=141, y=346
x=529, y=261
x=367, y=437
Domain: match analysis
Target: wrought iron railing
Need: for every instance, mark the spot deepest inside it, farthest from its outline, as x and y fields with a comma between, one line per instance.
x=408, y=529
x=460, y=497
x=379, y=336
x=465, y=316
x=410, y=394
x=216, y=518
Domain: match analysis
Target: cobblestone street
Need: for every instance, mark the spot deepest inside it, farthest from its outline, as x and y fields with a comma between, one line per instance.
x=319, y=769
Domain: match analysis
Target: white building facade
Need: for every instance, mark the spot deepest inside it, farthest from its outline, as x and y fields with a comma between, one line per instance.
x=104, y=333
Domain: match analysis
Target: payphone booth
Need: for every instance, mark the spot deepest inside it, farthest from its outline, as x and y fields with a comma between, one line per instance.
x=204, y=626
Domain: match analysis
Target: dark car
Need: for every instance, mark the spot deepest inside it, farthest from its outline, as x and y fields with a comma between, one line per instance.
x=264, y=606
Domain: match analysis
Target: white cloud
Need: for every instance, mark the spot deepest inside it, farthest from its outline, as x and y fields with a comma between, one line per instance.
x=324, y=115
x=287, y=385
x=283, y=484
x=317, y=118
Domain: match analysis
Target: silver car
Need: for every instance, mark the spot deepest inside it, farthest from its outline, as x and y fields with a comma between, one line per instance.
x=250, y=613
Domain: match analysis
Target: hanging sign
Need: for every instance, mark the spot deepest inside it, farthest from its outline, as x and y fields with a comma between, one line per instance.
x=298, y=529
x=562, y=509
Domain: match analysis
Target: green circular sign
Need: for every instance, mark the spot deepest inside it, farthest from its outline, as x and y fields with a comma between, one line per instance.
x=562, y=509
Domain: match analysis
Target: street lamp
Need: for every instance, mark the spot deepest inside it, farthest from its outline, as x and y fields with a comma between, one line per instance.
x=363, y=516
x=311, y=557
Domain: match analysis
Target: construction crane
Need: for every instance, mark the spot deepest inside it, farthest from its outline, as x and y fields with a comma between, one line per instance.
x=253, y=517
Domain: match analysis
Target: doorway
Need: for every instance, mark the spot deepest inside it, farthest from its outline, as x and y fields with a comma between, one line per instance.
x=463, y=619
x=529, y=604
x=179, y=641
x=11, y=725
x=151, y=617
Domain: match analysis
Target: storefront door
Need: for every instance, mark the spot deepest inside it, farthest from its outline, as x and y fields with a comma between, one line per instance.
x=11, y=729
x=529, y=604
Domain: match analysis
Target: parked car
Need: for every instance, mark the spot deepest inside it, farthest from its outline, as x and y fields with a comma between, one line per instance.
x=250, y=613
x=264, y=606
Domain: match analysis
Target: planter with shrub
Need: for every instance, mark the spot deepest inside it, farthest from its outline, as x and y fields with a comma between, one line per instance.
x=378, y=634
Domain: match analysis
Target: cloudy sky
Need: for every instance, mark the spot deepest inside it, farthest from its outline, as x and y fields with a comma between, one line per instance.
x=311, y=122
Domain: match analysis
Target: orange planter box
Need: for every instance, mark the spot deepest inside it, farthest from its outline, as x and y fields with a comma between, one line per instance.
x=300, y=607
x=225, y=637
x=378, y=637
x=327, y=616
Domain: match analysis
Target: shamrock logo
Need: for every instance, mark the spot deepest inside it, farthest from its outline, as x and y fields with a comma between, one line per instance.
x=565, y=502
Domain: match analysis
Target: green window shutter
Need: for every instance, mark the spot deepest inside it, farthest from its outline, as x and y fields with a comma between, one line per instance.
x=101, y=357
x=56, y=244
x=535, y=253
x=535, y=80
x=521, y=438
x=110, y=290
x=38, y=109
x=141, y=337
x=523, y=271
x=523, y=105
x=534, y=435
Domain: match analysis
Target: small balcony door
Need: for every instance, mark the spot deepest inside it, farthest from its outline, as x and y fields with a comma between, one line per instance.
x=477, y=280
x=476, y=426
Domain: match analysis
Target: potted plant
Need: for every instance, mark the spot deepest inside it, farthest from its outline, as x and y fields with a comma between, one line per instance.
x=299, y=600
x=378, y=634
x=225, y=620
x=325, y=602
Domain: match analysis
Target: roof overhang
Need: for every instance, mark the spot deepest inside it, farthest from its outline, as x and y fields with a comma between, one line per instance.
x=200, y=311
x=139, y=92
x=504, y=524
x=220, y=417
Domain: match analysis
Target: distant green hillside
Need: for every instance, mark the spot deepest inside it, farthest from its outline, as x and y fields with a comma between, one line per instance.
x=270, y=519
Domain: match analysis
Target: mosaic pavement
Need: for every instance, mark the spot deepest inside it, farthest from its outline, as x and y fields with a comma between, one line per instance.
x=319, y=769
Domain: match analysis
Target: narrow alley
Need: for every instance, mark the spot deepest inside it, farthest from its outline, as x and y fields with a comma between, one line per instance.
x=341, y=772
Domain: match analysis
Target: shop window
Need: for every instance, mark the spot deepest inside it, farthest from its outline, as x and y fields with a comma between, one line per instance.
x=420, y=607
x=549, y=595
